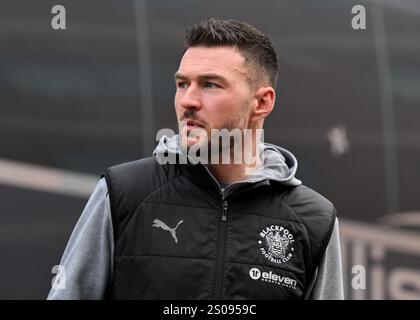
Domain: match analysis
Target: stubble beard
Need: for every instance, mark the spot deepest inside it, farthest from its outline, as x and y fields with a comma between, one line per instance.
x=208, y=139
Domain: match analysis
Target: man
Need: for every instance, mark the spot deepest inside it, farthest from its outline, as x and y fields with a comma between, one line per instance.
x=176, y=226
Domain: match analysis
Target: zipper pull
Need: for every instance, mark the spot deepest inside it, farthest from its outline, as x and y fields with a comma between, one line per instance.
x=225, y=208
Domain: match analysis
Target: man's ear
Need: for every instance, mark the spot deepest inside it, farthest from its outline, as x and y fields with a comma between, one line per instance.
x=265, y=97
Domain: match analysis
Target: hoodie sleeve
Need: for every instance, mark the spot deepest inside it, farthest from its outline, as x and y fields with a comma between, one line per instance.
x=327, y=283
x=87, y=260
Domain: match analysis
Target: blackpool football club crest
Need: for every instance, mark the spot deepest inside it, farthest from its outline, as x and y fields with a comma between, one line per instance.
x=276, y=243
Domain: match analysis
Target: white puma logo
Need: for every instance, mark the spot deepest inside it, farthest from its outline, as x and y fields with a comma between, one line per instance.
x=160, y=224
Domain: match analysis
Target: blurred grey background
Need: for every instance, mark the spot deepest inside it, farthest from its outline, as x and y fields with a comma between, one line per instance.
x=75, y=101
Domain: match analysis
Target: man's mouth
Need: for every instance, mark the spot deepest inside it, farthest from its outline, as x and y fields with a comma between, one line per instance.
x=191, y=124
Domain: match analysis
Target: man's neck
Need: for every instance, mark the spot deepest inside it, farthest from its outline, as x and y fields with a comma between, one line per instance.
x=230, y=173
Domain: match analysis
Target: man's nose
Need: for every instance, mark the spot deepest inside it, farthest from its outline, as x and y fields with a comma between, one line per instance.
x=191, y=98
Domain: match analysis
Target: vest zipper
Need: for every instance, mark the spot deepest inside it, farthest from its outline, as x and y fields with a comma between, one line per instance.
x=221, y=250
x=225, y=208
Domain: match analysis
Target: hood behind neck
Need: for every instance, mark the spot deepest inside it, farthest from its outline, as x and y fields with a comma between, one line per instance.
x=278, y=164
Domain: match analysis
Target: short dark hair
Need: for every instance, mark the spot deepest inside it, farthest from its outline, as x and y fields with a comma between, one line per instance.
x=254, y=45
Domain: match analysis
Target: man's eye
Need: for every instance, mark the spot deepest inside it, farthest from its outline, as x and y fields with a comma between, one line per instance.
x=182, y=85
x=211, y=85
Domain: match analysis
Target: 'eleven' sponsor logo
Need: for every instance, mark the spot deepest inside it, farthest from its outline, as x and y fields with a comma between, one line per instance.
x=271, y=277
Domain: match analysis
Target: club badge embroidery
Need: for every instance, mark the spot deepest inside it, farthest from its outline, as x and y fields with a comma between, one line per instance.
x=276, y=244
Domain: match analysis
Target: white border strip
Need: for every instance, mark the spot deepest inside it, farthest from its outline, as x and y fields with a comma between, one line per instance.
x=29, y=176
x=401, y=241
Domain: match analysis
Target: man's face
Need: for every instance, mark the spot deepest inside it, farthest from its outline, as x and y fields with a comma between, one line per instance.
x=213, y=91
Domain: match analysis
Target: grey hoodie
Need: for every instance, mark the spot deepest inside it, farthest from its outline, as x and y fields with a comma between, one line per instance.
x=88, y=258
